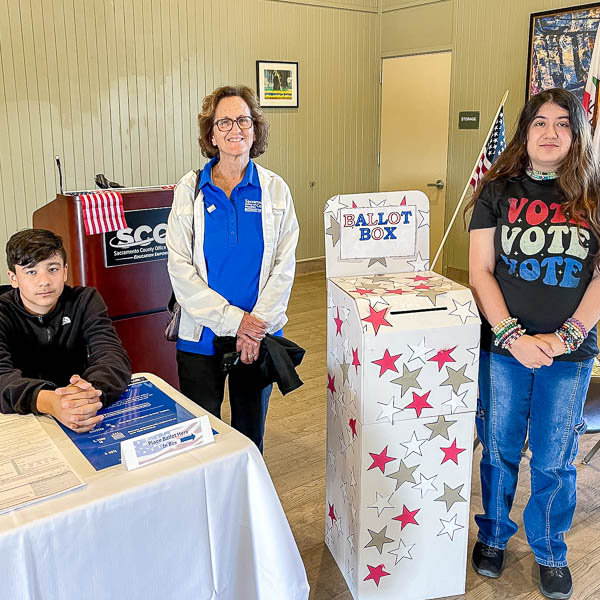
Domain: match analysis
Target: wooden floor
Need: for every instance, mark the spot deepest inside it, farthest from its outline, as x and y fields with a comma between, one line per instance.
x=295, y=455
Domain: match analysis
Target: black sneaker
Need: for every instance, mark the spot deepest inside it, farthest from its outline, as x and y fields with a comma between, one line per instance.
x=556, y=582
x=487, y=560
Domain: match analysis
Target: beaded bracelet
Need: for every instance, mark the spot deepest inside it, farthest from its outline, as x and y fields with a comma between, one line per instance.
x=572, y=333
x=507, y=332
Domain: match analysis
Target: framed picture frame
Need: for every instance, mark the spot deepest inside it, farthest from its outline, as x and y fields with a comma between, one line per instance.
x=277, y=83
x=561, y=43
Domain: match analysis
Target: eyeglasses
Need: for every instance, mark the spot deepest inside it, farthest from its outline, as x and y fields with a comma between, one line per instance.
x=226, y=124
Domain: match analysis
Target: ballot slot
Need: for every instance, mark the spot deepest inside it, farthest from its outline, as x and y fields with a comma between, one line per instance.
x=417, y=310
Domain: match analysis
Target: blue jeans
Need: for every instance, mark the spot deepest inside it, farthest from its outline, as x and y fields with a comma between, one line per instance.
x=550, y=400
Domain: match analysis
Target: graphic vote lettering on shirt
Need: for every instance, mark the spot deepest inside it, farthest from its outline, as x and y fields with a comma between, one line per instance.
x=540, y=243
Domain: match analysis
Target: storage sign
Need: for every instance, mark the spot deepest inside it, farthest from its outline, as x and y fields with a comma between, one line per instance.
x=144, y=239
x=386, y=231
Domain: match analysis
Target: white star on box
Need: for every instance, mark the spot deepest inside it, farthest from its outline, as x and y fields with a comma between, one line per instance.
x=352, y=478
x=419, y=264
x=463, y=311
x=402, y=551
x=474, y=352
x=424, y=214
x=350, y=539
x=425, y=485
x=344, y=488
x=450, y=527
x=413, y=446
x=381, y=503
x=330, y=302
x=373, y=300
x=345, y=311
x=338, y=525
x=420, y=351
x=388, y=410
x=333, y=205
x=456, y=401
x=331, y=459
x=372, y=203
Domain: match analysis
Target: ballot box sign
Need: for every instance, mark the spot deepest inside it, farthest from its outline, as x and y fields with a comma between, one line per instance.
x=144, y=240
x=386, y=231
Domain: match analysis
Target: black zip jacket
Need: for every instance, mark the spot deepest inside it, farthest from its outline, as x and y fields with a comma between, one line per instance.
x=43, y=352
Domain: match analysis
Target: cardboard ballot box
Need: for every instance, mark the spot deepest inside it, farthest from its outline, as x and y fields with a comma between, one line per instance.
x=402, y=363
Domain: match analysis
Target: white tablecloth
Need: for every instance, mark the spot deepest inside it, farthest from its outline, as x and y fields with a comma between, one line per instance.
x=205, y=525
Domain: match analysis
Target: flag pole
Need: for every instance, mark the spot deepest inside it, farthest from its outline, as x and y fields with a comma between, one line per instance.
x=485, y=141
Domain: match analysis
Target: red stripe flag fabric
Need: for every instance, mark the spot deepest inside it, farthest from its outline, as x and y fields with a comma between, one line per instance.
x=494, y=147
x=102, y=212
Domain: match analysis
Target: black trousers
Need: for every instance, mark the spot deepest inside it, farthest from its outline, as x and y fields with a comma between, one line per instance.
x=202, y=381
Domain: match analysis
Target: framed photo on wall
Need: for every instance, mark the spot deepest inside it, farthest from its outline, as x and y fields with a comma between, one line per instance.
x=561, y=43
x=277, y=83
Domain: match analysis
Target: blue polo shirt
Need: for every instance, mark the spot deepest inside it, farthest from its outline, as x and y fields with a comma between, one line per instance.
x=233, y=245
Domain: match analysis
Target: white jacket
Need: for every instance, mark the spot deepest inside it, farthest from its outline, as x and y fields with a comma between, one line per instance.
x=200, y=305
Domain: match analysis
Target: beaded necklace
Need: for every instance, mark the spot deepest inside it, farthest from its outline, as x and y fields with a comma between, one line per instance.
x=541, y=175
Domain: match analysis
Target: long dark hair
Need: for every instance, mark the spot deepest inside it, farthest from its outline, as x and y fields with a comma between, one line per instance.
x=578, y=175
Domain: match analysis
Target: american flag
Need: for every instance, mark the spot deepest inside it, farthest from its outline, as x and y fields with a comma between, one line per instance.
x=102, y=212
x=494, y=147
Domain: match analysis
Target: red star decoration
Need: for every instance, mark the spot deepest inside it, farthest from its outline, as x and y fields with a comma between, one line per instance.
x=403, y=203
x=376, y=573
x=407, y=517
x=362, y=291
x=422, y=286
x=420, y=278
x=331, y=514
x=442, y=357
x=355, y=361
x=387, y=362
x=380, y=460
x=451, y=452
x=338, y=323
x=398, y=291
x=331, y=383
x=419, y=403
x=352, y=423
x=354, y=204
x=377, y=318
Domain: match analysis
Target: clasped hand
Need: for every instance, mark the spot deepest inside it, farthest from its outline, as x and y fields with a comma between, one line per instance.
x=535, y=351
x=249, y=335
x=74, y=405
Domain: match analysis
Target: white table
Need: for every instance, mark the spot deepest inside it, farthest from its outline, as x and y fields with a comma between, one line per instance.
x=205, y=525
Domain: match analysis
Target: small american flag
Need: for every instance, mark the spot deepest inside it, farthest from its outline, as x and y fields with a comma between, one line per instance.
x=494, y=147
x=102, y=212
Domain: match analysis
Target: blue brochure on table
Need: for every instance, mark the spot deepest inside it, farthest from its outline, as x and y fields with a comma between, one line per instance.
x=141, y=409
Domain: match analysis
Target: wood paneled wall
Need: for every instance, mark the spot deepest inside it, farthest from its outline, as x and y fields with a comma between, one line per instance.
x=114, y=86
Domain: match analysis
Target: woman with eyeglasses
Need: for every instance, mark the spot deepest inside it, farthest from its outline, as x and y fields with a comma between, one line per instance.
x=231, y=238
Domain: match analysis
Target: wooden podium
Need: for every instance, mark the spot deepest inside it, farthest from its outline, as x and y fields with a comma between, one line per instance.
x=128, y=267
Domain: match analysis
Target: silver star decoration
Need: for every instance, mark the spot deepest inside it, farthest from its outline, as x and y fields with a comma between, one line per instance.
x=388, y=410
x=450, y=527
x=378, y=539
x=344, y=488
x=381, y=503
x=404, y=474
x=425, y=485
x=451, y=496
x=419, y=264
x=374, y=261
x=333, y=230
x=474, y=351
x=331, y=458
x=456, y=401
x=334, y=204
x=350, y=540
x=440, y=427
x=402, y=551
x=419, y=351
x=431, y=294
x=372, y=203
x=408, y=379
x=380, y=278
x=413, y=446
x=463, y=311
x=424, y=215
x=456, y=378
x=334, y=352
x=344, y=366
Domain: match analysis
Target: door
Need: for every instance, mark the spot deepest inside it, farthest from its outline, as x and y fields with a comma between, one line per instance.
x=415, y=106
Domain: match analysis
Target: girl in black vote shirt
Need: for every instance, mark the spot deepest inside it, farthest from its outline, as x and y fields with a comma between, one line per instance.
x=533, y=267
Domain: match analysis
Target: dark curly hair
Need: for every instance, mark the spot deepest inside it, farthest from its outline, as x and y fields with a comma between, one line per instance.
x=206, y=119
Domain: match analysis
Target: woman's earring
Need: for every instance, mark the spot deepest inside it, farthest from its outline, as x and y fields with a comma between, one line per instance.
x=214, y=142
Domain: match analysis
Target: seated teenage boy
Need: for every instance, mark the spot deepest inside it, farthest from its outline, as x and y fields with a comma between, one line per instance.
x=59, y=352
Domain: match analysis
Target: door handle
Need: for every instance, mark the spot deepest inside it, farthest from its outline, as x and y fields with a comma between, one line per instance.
x=439, y=184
